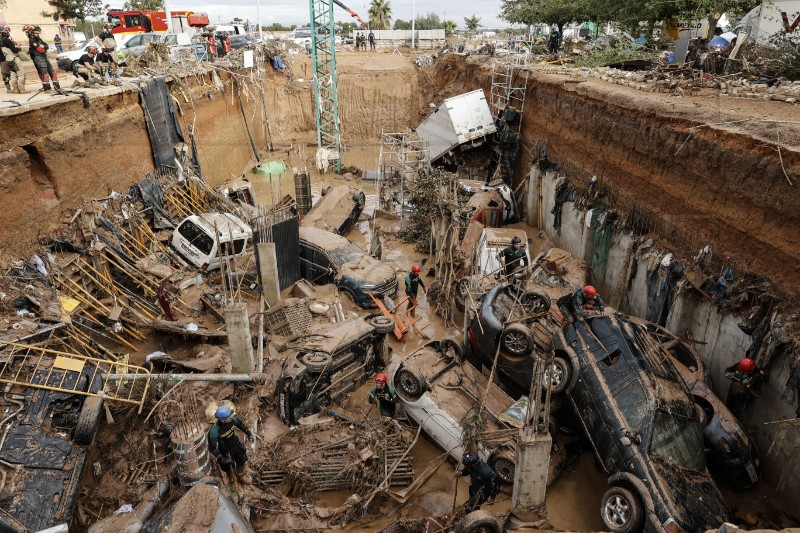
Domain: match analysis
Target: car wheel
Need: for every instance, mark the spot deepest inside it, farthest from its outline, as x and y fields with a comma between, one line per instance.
x=504, y=464
x=516, y=339
x=558, y=458
x=73, y=66
x=409, y=383
x=452, y=347
x=622, y=511
x=88, y=420
x=382, y=324
x=461, y=292
x=477, y=521
x=316, y=361
x=535, y=304
x=561, y=375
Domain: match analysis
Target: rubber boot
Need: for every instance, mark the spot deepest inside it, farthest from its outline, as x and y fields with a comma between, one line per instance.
x=46, y=87
x=20, y=82
x=8, y=87
x=57, y=85
x=242, y=475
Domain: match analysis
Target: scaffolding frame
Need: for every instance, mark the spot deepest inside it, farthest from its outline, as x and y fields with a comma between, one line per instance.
x=406, y=154
x=510, y=74
x=323, y=51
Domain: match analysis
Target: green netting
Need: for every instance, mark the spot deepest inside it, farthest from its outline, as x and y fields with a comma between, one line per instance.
x=603, y=235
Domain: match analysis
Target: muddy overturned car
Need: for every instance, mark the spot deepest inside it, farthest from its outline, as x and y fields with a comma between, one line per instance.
x=643, y=426
x=439, y=391
x=323, y=366
x=338, y=209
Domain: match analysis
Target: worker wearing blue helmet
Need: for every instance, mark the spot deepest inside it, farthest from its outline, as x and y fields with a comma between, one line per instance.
x=224, y=444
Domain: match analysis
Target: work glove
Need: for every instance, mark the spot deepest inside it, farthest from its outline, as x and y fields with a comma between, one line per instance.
x=224, y=461
x=371, y=399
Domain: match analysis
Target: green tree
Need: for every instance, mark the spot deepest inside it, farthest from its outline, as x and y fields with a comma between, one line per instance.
x=713, y=10
x=398, y=24
x=380, y=15
x=238, y=20
x=449, y=28
x=558, y=12
x=76, y=9
x=347, y=27
x=431, y=21
x=152, y=5
x=472, y=22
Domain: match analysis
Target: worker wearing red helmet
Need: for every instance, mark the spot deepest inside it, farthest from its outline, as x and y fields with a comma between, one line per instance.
x=413, y=283
x=385, y=395
x=575, y=304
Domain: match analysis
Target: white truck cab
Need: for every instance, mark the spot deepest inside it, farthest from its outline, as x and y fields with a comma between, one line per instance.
x=194, y=239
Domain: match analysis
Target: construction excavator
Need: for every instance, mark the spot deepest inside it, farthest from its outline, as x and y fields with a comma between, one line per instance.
x=352, y=14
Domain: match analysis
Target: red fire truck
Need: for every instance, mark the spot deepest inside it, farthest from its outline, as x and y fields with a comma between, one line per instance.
x=125, y=21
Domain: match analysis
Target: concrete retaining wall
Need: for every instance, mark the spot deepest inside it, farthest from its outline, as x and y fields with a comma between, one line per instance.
x=624, y=287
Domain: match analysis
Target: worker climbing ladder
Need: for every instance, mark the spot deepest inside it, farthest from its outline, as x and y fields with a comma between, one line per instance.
x=323, y=51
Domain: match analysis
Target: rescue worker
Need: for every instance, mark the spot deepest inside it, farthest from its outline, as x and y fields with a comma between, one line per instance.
x=484, y=483
x=38, y=52
x=225, y=445
x=513, y=256
x=413, y=283
x=585, y=299
x=371, y=38
x=10, y=65
x=552, y=43
x=87, y=69
x=385, y=395
x=106, y=39
x=106, y=66
x=211, y=45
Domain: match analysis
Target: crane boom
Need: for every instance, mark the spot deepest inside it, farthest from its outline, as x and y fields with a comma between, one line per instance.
x=352, y=13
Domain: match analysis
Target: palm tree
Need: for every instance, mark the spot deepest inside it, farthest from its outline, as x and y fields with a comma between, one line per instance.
x=449, y=28
x=380, y=15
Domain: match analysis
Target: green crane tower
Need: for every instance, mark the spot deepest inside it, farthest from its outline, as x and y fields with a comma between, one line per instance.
x=323, y=51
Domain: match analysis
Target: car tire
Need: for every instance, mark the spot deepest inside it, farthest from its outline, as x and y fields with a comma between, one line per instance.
x=535, y=303
x=316, y=362
x=561, y=375
x=479, y=521
x=558, y=458
x=504, y=464
x=88, y=421
x=622, y=510
x=516, y=339
x=453, y=347
x=409, y=383
x=360, y=199
x=382, y=324
x=461, y=289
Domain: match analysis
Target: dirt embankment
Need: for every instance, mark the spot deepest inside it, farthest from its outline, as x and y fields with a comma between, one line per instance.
x=703, y=170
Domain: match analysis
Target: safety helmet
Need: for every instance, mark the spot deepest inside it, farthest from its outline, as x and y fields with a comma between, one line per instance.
x=37, y=29
x=747, y=365
x=415, y=269
x=223, y=411
x=515, y=240
x=470, y=459
x=381, y=378
x=589, y=291
x=92, y=50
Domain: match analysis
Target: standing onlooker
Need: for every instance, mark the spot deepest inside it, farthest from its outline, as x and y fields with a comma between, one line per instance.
x=371, y=37
x=553, y=43
x=363, y=42
x=57, y=42
x=10, y=67
x=38, y=52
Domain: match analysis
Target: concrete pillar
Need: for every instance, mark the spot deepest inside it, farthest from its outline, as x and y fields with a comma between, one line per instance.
x=532, y=197
x=237, y=324
x=530, y=476
x=268, y=270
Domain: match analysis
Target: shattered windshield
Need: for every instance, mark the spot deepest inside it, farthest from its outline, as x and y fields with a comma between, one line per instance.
x=347, y=253
x=679, y=440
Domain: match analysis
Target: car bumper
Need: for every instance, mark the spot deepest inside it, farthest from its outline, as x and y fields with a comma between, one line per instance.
x=388, y=289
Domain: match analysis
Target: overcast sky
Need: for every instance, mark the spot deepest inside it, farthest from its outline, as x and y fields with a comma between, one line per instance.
x=297, y=11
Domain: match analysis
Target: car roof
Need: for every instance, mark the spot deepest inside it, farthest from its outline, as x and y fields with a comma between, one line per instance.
x=504, y=235
x=322, y=239
x=227, y=224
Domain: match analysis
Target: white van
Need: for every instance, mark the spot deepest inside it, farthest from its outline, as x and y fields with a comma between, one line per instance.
x=194, y=239
x=769, y=18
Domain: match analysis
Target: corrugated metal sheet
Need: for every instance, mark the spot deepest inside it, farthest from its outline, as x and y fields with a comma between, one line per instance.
x=286, y=236
x=458, y=120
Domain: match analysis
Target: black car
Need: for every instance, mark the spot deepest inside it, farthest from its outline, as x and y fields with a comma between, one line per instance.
x=516, y=321
x=732, y=454
x=329, y=258
x=643, y=426
x=47, y=440
x=322, y=367
x=242, y=41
